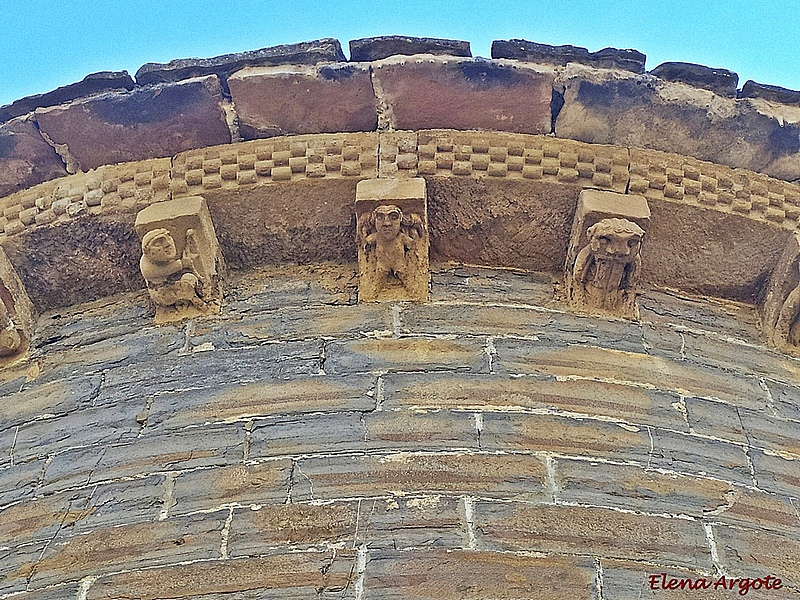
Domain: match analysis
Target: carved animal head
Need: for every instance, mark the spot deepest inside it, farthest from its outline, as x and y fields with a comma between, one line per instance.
x=158, y=246
x=386, y=219
x=615, y=239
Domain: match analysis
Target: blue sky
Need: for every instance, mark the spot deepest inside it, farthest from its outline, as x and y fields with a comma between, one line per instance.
x=47, y=43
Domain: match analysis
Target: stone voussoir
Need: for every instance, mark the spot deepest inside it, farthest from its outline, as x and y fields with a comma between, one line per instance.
x=607, y=58
x=378, y=48
x=303, y=53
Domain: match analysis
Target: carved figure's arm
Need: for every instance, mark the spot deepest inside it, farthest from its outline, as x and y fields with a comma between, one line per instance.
x=190, y=251
x=370, y=240
x=583, y=263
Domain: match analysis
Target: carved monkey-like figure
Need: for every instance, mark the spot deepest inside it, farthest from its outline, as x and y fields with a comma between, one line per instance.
x=10, y=338
x=606, y=270
x=392, y=237
x=171, y=281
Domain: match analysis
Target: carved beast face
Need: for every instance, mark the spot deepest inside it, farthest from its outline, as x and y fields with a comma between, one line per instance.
x=615, y=239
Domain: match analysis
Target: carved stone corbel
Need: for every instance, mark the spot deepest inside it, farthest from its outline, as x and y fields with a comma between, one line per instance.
x=17, y=314
x=181, y=260
x=780, y=309
x=603, y=260
x=392, y=231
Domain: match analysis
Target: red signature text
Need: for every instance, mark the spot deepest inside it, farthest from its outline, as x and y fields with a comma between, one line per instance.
x=742, y=585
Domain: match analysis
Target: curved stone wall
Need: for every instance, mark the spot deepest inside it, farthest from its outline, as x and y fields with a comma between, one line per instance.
x=490, y=443
x=481, y=445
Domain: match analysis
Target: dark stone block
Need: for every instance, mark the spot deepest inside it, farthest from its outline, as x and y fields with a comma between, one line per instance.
x=720, y=81
x=773, y=93
x=25, y=158
x=94, y=83
x=377, y=48
x=148, y=122
x=607, y=58
x=303, y=53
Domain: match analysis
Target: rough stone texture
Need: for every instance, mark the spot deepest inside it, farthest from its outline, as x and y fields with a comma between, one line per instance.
x=720, y=81
x=25, y=157
x=378, y=48
x=431, y=92
x=304, y=53
x=91, y=258
x=642, y=111
x=520, y=224
x=728, y=247
x=274, y=101
x=148, y=122
x=773, y=93
x=607, y=58
x=94, y=83
x=438, y=449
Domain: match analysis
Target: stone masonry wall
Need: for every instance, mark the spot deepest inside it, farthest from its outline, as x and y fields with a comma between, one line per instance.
x=484, y=445
x=400, y=83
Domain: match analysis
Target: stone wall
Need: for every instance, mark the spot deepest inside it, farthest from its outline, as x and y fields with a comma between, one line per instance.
x=400, y=83
x=490, y=443
x=486, y=444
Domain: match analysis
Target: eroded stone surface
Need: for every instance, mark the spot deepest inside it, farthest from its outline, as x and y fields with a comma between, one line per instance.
x=274, y=101
x=608, y=58
x=392, y=222
x=181, y=261
x=148, y=122
x=25, y=157
x=427, y=92
x=377, y=48
x=721, y=81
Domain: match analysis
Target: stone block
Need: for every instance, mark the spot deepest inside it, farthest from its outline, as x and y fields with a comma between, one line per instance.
x=393, y=240
x=518, y=224
x=181, y=260
x=142, y=545
x=332, y=98
x=754, y=509
x=642, y=111
x=775, y=472
x=378, y=48
x=94, y=83
x=404, y=473
x=564, y=435
x=205, y=489
x=607, y=58
x=471, y=575
x=603, y=265
x=433, y=92
x=629, y=487
x=773, y=93
x=473, y=284
x=407, y=430
x=325, y=574
x=403, y=354
x=720, y=81
x=19, y=480
x=307, y=434
x=274, y=398
x=591, y=531
x=690, y=454
x=753, y=553
x=486, y=393
x=522, y=356
x=25, y=157
x=303, y=53
x=148, y=122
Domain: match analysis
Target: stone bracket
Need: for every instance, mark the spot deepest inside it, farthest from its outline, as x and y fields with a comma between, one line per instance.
x=393, y=240
x=17, y=314
x=603, y=259
x=181, y=260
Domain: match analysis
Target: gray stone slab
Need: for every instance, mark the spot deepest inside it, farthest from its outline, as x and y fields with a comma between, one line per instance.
x=377, y=48
x=307, y=434
x=693, y=455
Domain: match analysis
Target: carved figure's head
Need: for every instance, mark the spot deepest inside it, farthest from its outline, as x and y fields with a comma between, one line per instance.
x=158, y=246
x=615, y=239
x=387, y=219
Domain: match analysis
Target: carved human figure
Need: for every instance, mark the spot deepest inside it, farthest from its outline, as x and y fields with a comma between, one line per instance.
x=607, y=268
x=171, y=281
x=786, y=332
x=389, y=239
